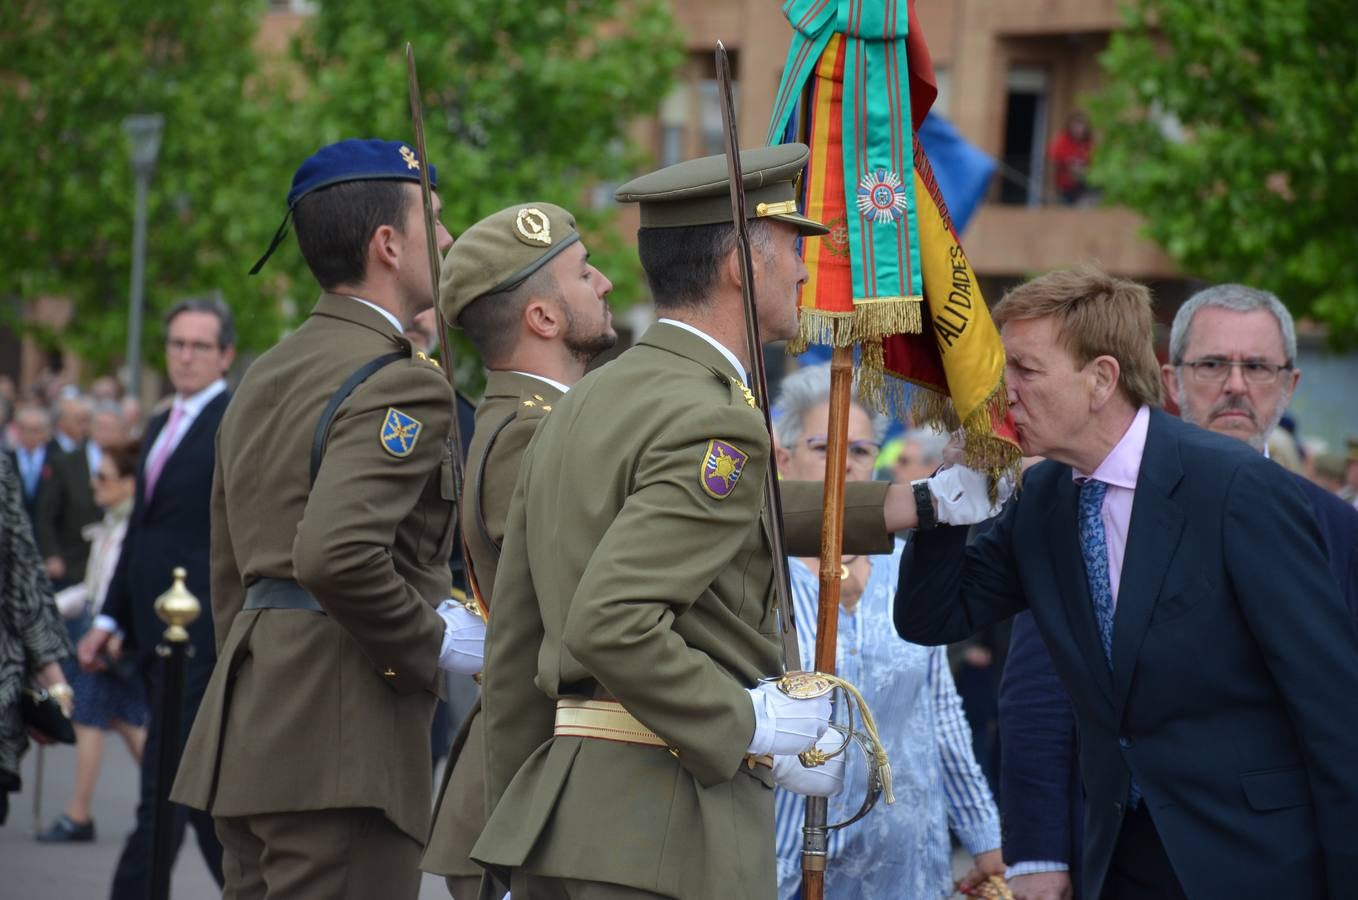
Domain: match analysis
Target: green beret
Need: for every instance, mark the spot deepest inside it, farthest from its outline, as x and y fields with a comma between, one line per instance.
x=697, y=192
x=501, y=251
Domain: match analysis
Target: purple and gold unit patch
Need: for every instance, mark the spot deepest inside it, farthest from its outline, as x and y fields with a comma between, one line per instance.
x=721, y=468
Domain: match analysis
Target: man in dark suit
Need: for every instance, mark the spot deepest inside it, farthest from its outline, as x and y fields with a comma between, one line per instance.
x=33, y=455
x=169, y=528
x=1216, y=743
x=67, y=504
x=1233, y=351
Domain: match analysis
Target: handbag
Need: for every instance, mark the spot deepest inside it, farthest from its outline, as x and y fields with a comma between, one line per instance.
x=41, y=711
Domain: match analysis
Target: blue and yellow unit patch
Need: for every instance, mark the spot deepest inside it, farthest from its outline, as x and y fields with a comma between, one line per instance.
x=721, y=468
x=400, y=432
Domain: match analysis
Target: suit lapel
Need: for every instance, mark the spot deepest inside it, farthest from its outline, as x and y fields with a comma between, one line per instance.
x=1068, y=563
x=206, y=421
x=1152, y=537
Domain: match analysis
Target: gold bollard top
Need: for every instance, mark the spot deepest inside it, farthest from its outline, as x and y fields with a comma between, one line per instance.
x=177, y=607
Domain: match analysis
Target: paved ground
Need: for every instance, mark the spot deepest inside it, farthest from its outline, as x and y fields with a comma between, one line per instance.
x=83, y=871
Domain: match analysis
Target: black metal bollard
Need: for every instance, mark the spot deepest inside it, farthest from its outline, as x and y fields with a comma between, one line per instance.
x=176, y=608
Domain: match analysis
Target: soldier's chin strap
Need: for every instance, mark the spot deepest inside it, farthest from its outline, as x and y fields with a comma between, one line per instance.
x=278, y=236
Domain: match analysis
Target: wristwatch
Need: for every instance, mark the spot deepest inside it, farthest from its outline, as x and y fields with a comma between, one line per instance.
x=924, y=505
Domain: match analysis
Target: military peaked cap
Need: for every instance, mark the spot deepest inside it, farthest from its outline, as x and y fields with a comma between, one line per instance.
x=697, y=192
x=348, y=160
x=501, y=252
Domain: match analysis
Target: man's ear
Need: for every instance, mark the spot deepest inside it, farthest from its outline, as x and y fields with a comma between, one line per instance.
x=730, y=269
x=1105, y=372
x=384, y=248
x=543, y=319
x=782, y=456
x=1170, y=378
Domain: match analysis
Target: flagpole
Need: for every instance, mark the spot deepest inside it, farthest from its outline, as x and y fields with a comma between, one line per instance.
x=815, y=837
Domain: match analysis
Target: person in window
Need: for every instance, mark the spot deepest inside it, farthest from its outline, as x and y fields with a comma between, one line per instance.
x=1070, y=153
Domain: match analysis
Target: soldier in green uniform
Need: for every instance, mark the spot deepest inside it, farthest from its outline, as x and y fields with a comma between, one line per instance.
x=332, y=522
x=520, y=285
x=629, y=731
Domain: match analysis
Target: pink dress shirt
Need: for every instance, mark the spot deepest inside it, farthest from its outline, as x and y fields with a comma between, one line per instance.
x=1119, y=470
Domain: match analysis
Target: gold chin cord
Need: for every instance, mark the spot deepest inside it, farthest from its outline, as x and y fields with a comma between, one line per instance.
x=808, y=685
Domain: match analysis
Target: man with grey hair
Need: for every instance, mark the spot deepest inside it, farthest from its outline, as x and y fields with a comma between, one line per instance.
x=34, y=450
x=1232, y=370
x=68, y=506
x=921, y=455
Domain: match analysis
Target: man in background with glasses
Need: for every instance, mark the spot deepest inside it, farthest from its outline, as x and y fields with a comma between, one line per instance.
x=169, y=527
x=1233, y=352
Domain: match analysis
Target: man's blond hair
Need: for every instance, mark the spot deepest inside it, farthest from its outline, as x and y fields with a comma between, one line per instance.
x=1096, y=315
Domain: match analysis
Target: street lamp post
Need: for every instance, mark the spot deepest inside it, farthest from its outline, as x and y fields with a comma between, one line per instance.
x=143, y=134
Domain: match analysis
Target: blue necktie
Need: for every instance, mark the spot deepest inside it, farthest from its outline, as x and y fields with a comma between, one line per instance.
x=1094, y=549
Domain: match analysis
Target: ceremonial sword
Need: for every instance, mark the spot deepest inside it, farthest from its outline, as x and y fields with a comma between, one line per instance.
x=449, y=362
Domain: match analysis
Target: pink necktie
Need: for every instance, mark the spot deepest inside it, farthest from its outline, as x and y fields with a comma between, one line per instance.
x=163, y=452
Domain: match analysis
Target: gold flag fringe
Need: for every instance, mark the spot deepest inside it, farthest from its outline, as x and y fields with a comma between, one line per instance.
x=872, y=318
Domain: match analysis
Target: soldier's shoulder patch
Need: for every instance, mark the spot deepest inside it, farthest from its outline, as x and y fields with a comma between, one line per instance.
x=400, y=432
x=721, y=468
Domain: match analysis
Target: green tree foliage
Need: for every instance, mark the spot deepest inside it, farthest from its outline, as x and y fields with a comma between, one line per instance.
x=1255, y=179
x=523, y=100
x=69, y=73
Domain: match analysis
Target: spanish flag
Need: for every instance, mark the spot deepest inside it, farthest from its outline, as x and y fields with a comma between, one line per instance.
x=891, y=276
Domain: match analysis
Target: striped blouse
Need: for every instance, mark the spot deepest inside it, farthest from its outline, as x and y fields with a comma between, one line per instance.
x=900, y=850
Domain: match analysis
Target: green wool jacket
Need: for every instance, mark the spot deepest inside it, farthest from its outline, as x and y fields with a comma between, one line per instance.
x=307, y=711
x=637, y=566
x=506, y=420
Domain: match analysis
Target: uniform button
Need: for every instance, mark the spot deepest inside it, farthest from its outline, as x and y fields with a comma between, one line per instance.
x=1117, y=808
x=1124, y=743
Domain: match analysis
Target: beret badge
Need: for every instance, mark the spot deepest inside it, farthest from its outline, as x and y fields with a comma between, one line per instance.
x=532, y=226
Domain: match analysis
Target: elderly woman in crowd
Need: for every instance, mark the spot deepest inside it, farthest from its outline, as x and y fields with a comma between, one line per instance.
x=901, y=850
x=32, y=638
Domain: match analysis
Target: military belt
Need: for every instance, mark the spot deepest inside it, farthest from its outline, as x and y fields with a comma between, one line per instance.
x=607, y=720
x=280, y=593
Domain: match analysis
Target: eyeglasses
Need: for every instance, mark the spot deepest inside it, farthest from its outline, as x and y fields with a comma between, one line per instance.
x=1216, y=371
x=859, y=452
x=198, y=348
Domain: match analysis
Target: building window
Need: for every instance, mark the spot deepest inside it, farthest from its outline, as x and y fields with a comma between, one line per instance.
x=1025, y=130
x=690, y=118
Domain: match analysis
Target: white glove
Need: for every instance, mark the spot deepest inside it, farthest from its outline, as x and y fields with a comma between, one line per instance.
x=822, y=781
x=464, y=637
x=961, y=496
x=783, y=724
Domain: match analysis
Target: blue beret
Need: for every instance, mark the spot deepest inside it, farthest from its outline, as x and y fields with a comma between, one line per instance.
x=348, y=160
x=356, y=160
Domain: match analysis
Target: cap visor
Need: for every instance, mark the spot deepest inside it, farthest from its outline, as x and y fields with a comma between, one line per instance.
x=806, y=227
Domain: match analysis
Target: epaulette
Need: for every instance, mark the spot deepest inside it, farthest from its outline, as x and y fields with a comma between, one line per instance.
x=533, y=405
x=425, y=357
x=740, y=392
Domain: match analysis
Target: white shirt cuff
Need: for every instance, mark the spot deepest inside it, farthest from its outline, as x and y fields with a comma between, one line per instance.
x=107, y=623
x=1035, y=867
